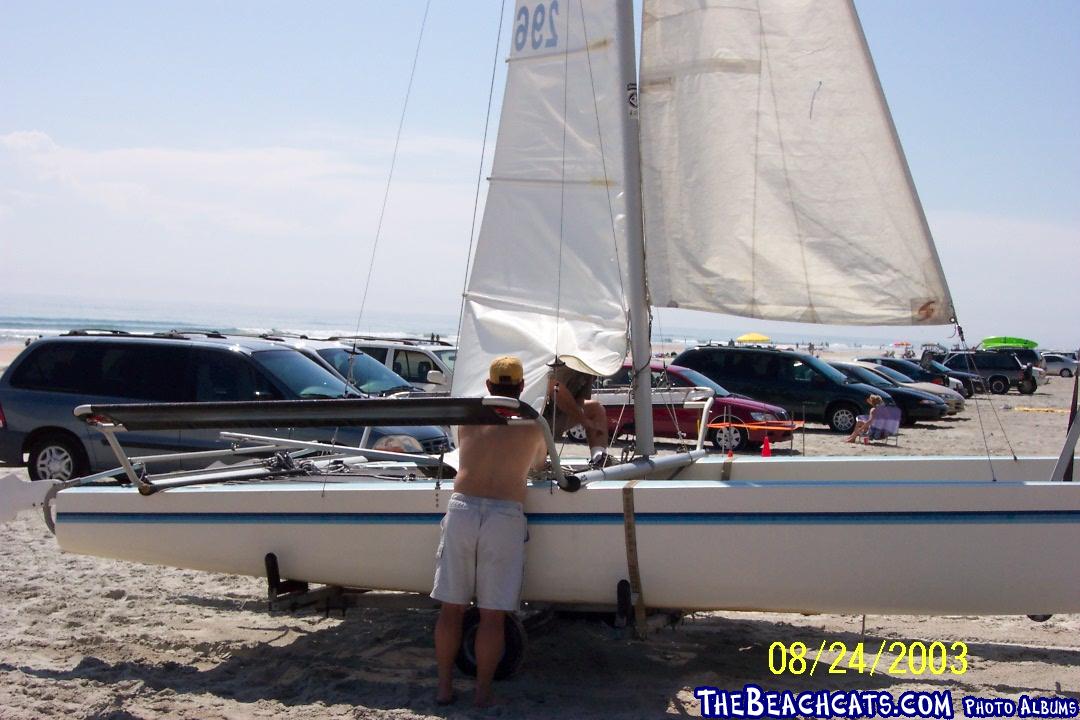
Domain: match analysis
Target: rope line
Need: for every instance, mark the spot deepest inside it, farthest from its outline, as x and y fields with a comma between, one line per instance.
x=393, y=163
x=480, y=169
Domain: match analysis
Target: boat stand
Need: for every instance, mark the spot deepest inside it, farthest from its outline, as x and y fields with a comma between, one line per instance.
x=294, y=595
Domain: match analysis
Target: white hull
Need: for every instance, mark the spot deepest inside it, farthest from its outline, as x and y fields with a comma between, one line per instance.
x=926, y=536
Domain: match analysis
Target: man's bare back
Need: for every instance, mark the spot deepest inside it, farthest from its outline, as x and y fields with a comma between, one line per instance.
x=494, y=460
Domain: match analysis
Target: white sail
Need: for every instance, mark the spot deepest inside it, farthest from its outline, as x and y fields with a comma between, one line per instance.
x=774, y=182
x=547, y=275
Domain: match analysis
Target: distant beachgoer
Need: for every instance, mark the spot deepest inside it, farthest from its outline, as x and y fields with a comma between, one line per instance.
x=569, y=403
x=482, y=549
x=862, y=422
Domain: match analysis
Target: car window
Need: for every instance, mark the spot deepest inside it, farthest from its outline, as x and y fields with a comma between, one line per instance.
x=894, y=375
x=801, y=372
x=366, y=372
x=686, y=377
x=60, y=367
x=619, y=379
x=377, y=353
x=412, y=365
x=302, y=376
x=158, y=373
x=867, y=376
x=227, y=376
x=449, y=357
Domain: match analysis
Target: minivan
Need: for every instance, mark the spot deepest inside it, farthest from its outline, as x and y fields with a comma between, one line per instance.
x=808, y=388
x=41, y=388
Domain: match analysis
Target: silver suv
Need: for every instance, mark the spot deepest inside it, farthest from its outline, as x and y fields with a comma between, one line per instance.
x=427, y=364
x=44, y=384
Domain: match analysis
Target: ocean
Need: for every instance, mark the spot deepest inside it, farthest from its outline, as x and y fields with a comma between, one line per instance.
x=27, y=317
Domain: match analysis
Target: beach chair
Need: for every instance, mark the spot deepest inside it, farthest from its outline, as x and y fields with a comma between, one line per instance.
x=886, y=424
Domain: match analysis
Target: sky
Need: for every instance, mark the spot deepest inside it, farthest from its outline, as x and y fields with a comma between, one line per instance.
x=235, y=155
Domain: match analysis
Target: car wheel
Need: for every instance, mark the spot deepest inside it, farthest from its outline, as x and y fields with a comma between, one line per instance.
x=729, y=438
x=56, y=457
x=998, y=385
x=1065, y=372
x=969, y=390
x=577, y=433
x=1027, y=386
x=841, y=417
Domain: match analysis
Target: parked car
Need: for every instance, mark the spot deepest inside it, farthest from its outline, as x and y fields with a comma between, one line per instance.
x=914, y=404
x=971, y=382
x=1057, y=364
x=805, y=386
x=364, y=372
x=1026, y=356
x=43, y=385
x=917, y=372
x=1000, y=370
x=672, y=385
x=427, y=364
x=952, y=399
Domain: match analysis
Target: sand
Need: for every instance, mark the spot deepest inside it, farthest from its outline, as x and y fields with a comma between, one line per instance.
x=90, y=638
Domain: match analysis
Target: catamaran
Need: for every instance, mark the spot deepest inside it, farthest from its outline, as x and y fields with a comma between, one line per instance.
x=751, y=167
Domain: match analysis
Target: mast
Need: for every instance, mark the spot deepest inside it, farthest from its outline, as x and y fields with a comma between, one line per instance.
x=637, y=295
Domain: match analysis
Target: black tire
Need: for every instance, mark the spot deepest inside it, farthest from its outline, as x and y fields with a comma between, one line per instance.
x=1027, y=386
x=841, y=417
x=513, y=650
x=1065, y=372
x=969, y=390
x=57, y=457
x=998, y=385
x=735, y=437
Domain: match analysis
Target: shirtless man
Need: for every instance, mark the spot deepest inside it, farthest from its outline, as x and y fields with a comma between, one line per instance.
x=570, y=403
x=482, y=549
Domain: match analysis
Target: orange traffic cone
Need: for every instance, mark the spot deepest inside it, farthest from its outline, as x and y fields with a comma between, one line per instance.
x=766, y=448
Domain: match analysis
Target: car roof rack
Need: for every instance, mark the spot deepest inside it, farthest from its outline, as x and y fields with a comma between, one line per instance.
x=401, y=340
x=96, y=331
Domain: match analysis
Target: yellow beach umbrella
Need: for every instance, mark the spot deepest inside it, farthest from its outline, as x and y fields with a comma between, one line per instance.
x=755, y=338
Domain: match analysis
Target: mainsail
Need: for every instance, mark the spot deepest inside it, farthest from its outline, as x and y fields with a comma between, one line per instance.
x=774, y=183
x=548, y=272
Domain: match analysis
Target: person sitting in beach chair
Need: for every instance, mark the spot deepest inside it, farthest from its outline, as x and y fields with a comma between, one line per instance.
x=863, y=422
x=885, y=425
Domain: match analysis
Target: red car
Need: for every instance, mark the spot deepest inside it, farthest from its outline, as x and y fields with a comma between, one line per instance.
x=671, y=420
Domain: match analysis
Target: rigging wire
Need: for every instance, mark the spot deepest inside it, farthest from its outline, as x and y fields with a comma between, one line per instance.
x=386, y=194
x=480, y=169
x=562, y=185
x=393, y=163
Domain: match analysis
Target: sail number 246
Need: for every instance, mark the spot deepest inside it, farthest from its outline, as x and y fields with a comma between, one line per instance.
x=536, y=28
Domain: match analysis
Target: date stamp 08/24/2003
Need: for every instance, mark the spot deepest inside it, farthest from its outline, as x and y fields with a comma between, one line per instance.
x=893, y=658
x=888, y=658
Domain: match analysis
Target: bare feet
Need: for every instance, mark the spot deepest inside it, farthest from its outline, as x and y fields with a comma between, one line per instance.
x=484, y=699
x=444, y=698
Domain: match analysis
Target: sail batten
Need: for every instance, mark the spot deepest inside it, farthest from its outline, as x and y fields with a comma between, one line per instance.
x=774, y=183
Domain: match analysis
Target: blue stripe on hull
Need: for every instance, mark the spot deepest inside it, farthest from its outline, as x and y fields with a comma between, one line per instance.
x=690, y=518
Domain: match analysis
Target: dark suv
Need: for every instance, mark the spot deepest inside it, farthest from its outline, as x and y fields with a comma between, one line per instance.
x=43, y=385
x=1001, y=370
x=803, y=385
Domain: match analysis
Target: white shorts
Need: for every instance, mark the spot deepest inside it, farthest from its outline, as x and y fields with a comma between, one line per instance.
x=481, y=553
